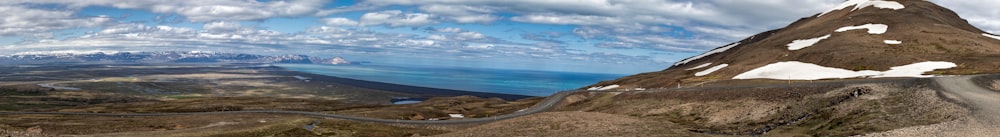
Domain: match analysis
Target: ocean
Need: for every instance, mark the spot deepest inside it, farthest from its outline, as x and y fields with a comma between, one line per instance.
x=519, y=82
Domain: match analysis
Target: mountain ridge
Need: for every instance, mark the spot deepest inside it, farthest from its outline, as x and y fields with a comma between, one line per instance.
x=865, y=38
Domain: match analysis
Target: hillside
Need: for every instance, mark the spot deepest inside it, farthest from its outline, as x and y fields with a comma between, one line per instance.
x=859, y=39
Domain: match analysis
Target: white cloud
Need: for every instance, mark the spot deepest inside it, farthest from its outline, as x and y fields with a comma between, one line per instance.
x=981, y=13
x=449, y=30
x=19, y=20
x=340, y=22
x=470, y=35
x=709, y=23
x=481, y=46
x=202, y=10
x=437, y=37
x=568, y=19
x=462, y=13
x=482, y=18
x=588, y=32
x=396, y=18
x=221, y=26
x=662, y=25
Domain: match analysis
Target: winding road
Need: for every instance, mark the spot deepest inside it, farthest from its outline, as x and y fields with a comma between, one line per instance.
x=984, y=103
x=542, y=106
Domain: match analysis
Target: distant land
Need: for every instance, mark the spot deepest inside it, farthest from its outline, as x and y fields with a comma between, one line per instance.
x=163, y=57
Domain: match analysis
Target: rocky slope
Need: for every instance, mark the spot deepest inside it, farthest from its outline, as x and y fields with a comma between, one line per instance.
x=861, y=38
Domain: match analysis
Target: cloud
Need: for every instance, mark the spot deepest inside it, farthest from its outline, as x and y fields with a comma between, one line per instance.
x=543, y=37
x=339, y=22
x=221, y=26
x=981, y=13
x=568, y=19
x=463, y=13
x=663, y=26
x=23, y=21
x=617, y=45
x=437, y=37
x=709, y=23
x=396, y=18
x=469, y=35
x=201, y=10
x=449, y=30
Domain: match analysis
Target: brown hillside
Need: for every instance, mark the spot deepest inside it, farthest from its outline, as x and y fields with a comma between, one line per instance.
x=929, y=33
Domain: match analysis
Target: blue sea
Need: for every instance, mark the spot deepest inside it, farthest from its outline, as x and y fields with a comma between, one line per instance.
x=520, y=82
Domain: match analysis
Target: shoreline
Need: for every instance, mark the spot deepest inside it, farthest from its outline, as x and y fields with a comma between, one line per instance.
x=410, y=89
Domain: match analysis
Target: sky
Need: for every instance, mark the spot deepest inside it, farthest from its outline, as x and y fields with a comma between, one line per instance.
x=600, y=36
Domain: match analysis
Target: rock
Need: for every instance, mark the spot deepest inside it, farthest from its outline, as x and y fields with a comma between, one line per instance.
x=417, y=117
x=35, y=130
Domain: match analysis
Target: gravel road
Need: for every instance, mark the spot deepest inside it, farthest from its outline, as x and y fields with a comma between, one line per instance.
x=983, y=122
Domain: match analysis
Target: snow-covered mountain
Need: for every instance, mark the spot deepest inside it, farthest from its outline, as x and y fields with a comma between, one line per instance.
x=161, y=57
x=858, y=39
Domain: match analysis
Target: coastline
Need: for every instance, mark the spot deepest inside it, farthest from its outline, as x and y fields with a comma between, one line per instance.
x=410, y=89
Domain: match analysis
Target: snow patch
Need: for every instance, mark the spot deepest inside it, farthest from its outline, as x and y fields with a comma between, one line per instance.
x=710, y=70
x=794, y=70
x=992, y=36
x=604, y=87
x=917, y=69
x=52, y=85
x=893, y=42
x=714, y=51
x=456, y=115
x=861, y=4
x=800, y=44
x=872, y=28
x=700, y=66
x=301, y=77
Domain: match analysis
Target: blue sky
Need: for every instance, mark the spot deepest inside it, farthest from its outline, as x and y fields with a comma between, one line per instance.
x=606, y=36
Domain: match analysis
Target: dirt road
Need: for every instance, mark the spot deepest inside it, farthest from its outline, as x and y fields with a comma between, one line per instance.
x=984, y=121
x=985, y=104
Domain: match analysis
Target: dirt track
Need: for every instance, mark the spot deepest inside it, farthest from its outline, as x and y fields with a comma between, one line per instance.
x=984, y=103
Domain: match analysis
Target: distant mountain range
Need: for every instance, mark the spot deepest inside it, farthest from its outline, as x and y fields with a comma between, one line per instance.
x=163, y=57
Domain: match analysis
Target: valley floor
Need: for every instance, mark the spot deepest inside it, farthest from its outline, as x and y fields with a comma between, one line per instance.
x=941, y=106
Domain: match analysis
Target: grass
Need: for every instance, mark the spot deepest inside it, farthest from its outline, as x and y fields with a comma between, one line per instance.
x=329, y=127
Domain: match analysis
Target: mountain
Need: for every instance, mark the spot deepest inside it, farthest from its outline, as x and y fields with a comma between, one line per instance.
x=163, y=57
x=858, y=39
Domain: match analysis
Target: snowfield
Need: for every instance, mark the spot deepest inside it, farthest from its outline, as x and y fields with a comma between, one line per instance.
x=710, y=70
x=717, y=50
x=991, y=36
x=800, y=44
x=699, y=66
x=794, y=70
x=861, y=4
x=872, y=28
x=604, y=87
x=917, y=69
x=893, y=42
